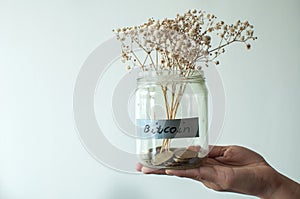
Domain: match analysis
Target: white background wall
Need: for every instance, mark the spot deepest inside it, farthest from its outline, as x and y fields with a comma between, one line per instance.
x=42, y=47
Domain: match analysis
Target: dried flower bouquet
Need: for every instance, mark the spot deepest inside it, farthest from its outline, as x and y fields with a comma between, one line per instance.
x=184, y=44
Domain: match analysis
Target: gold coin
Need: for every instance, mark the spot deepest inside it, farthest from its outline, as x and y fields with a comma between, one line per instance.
x=180, y=160
x=172, y=164
x=185, y=154
x=162, y=157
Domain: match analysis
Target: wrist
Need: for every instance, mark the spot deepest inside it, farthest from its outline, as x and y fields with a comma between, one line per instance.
x=279, y=187
x=272, y=181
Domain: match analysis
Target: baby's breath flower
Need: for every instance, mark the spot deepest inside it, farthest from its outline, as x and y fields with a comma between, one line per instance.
x=181, y=42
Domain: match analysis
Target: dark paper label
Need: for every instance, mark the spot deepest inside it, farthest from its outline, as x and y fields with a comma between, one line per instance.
x=167, y=129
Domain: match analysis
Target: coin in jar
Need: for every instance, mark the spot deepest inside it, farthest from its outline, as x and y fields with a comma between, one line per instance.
x=162, y=157
x=185, y=154
x=180, y=160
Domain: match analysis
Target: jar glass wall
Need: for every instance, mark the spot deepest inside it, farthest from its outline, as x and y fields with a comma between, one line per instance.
x=171, y=119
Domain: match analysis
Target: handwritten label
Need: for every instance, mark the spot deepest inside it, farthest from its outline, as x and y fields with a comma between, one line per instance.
x=168, y=129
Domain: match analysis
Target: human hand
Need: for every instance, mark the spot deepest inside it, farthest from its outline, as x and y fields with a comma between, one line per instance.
x=237, y=169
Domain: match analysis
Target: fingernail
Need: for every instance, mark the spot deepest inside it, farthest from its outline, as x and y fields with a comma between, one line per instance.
x=169, y=172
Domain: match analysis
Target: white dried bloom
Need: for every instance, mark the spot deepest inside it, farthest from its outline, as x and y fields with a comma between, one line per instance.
x=181, y=42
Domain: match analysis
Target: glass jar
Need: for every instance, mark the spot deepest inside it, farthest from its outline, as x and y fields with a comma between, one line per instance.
x=171, y=119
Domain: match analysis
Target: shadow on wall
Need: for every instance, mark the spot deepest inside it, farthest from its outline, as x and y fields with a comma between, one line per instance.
x=122, y=191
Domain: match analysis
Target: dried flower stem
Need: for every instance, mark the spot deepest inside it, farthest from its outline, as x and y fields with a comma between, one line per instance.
x=180, y=44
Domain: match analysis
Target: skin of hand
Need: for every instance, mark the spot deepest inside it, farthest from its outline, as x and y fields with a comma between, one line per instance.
x=237, y=169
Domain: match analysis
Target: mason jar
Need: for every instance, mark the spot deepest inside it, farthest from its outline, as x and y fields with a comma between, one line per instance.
x=171, y=113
